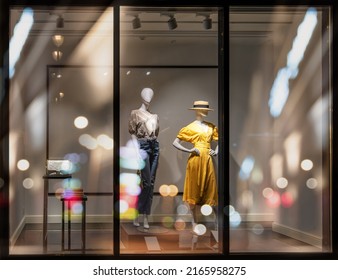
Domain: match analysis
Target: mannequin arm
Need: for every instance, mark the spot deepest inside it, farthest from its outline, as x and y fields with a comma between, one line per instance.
x=177, y=144
x=214, y=152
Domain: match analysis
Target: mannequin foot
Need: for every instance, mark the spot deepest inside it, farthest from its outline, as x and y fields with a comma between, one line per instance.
x=145, y=222
x=136, y=222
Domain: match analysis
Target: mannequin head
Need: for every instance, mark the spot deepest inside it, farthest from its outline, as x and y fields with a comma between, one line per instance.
x=147, y=95
x=201, y=109
x=200, y=114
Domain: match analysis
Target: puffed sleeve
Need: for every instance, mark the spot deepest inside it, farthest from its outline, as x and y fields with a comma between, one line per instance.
x=185, y=134
x=215, y=134
x=132, y=123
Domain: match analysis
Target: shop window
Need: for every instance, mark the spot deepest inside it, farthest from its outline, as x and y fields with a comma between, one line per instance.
x=280, y=120
x=169, y=94
x=169, y=60
x=61, y=131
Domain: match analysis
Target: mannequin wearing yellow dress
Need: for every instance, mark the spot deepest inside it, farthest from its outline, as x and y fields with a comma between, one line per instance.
x=200, y=186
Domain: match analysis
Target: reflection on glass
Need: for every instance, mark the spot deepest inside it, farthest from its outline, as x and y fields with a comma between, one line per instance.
x=173, y=54
x=279, y=129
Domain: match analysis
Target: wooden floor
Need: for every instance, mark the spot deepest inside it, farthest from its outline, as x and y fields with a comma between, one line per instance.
x=156, y=240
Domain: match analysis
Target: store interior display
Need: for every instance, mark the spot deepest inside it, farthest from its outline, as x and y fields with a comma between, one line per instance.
x=184, y=145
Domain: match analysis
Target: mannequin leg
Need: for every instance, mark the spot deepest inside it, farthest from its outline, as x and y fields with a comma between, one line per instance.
x=136, y=222
x=145, y=221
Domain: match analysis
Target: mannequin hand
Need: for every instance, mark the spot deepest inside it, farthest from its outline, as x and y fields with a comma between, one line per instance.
x=213, y=153
x=195, y=151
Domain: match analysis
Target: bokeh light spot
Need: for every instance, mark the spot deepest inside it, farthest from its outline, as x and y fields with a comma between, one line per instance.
x=77, y=208
x=23, y=164
x=312, y=183
x=105, y=141
x=180, y=224
x=282, y=183
x=235, y=219
x=173, y=190
x=182, y=209
x=200, y=229
x=257, y=175
x=274, y=201
x=164, y=190
x=124, y=206
x=257, y=229
x=206, y=210
x=229, y=210
x=287, y=199
x=81, y=122
x=88, y=141
x=306, y=165
x=28, y=183
x=130, y=214
x=168, y=222
x=268, y=193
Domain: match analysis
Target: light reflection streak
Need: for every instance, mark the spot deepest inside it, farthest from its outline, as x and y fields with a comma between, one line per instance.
x=276, y=165
x=20, y=35
x=292, y=146
x=246, y=167
x=280, y=89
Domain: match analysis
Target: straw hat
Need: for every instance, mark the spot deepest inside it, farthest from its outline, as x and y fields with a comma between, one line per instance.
x=201, y=105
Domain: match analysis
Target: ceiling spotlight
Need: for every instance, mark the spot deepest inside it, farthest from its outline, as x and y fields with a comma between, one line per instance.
x=207, y=22
x=172, y=23
x=57, y=55
x=136, y=22
x=58, y=40
x=60, y=22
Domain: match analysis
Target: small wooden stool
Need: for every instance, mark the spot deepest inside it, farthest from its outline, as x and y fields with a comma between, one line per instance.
x=69, y=198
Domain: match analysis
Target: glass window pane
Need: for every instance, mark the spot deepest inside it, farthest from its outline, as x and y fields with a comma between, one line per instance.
x=170, y=57
x=61, y=130
x=280, y=104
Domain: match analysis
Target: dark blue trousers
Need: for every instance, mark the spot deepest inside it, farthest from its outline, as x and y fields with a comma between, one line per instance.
x=148, y=174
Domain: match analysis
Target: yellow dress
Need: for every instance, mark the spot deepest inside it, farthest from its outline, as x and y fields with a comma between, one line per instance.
x=200, y=185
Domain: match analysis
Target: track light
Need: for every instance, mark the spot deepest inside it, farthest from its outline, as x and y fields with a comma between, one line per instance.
x=136, y=22
x=207, y=22
x=172, y=23
x=60, y=22
x=58, y=40
x=57, y=55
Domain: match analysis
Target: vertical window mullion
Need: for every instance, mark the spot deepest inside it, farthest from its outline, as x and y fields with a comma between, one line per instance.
x=116, y=68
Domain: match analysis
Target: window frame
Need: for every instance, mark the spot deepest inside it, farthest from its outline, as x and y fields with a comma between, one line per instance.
x=223, y=124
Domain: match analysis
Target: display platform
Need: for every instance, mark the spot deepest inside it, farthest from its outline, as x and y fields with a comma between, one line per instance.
x=161, y=239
